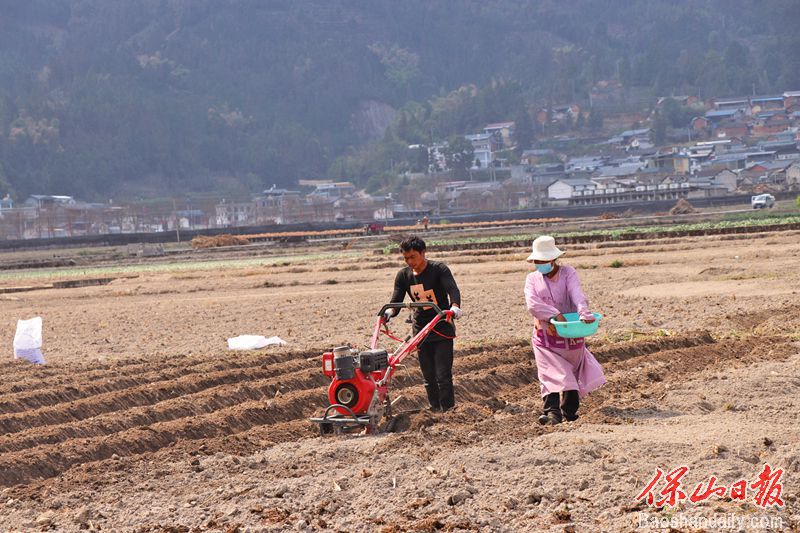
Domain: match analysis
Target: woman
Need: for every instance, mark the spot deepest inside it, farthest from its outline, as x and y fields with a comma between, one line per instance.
x=564, y=365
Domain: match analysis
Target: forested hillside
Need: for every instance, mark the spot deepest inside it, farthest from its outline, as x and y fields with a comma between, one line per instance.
x=104, y=98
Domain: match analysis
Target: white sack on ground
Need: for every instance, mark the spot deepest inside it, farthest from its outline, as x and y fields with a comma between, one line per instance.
x=253, y=342
x=28, y=340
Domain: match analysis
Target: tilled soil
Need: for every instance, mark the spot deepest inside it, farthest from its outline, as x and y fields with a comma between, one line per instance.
x=206, y=440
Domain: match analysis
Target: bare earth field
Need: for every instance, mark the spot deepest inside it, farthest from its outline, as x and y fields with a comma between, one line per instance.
x=142, y=420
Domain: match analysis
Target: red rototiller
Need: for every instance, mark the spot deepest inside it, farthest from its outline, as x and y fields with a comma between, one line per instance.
x=358, y=393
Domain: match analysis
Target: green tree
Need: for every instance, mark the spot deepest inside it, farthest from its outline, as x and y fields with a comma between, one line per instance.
x=713, y=74
x=380, y=181
x=402, y=66
x=596, y=119
x=459, y=155
x=677, y=115
x=418, y=160
x=580, y=122
x=523, y=130
x=5, y=187
x=659, y=129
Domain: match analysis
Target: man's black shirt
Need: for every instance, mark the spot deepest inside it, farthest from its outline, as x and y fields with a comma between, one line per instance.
x=434, y=284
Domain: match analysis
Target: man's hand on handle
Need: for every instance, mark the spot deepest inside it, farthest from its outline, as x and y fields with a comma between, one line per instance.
x=457, y=312
x=387, y=316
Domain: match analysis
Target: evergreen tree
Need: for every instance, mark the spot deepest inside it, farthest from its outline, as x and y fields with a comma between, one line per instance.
x=595, y=119
x=459, y=155
x=523, y=130
x=659, y=129
x=580, y=122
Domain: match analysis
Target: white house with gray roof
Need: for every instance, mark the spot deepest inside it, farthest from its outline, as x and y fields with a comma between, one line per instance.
x=565, y=188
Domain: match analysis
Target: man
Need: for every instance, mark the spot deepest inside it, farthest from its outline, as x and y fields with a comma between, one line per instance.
x=430, y=281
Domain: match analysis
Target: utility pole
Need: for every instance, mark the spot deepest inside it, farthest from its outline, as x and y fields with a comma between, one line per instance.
x=177, y=222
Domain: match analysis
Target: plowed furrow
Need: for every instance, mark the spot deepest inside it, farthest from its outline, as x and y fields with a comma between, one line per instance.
x=203, y=402
x=56, y=376
x=655, y=372
x=620, y=351
x=36, y=391
x=256, y=423
x=139, y=395
x=37, y=373
x=304, y=393
x=215, y=398
x=50, y=460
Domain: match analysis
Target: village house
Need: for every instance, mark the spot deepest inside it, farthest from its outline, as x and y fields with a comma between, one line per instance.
x=607, y=94
x=731, y=161
x=701, y=153
x=793, y=176
x=437, y=161
x=629, y=190
x=533, y=157
x=731, y=129
x=791, y=99
x=48, y=201
x=360, y=207
x=479, y=196
x=670, y=160
x=442, y=195
x=565, y=114
x=629, y=136
x=49, y=216
x=466, y=196
x=746, y=181
x=632, y=140
x=586, y=163
x=769, y=123
x=319, y=208
x=783, y=149
x=621, y=168
x=772, y=172
x=562, y=190
x=765, y=103
x=718, y=116
x=484, y=145
x=700, y=127
x=741, y=158
x=503, y=133
x=719, y=178
x=231, y=214
x=334, y=190
x=279, y=206
x=682, y=100
x=697, y=188
x=741, y=104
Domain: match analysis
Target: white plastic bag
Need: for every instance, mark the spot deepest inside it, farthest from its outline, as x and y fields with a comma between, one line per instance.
x=253, y=342
x=28, y=340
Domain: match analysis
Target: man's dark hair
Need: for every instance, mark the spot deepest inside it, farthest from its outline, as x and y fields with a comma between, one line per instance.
x=412, y=243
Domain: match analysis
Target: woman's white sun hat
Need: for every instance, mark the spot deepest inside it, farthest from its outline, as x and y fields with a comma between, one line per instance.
x=544, y=249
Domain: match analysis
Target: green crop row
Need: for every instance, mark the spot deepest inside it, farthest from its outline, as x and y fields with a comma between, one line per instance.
x=616, y=233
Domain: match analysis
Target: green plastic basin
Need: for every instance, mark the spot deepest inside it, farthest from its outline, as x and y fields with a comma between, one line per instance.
x=573, y=328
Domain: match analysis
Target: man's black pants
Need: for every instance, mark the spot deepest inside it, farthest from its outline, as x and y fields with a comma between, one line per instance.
x=436, y=363
x=569, y=402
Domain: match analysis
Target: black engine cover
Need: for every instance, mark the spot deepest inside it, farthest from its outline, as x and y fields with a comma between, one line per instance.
x=373, y=360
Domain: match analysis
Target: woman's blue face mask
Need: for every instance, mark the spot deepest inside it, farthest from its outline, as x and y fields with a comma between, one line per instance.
x=544, y=268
